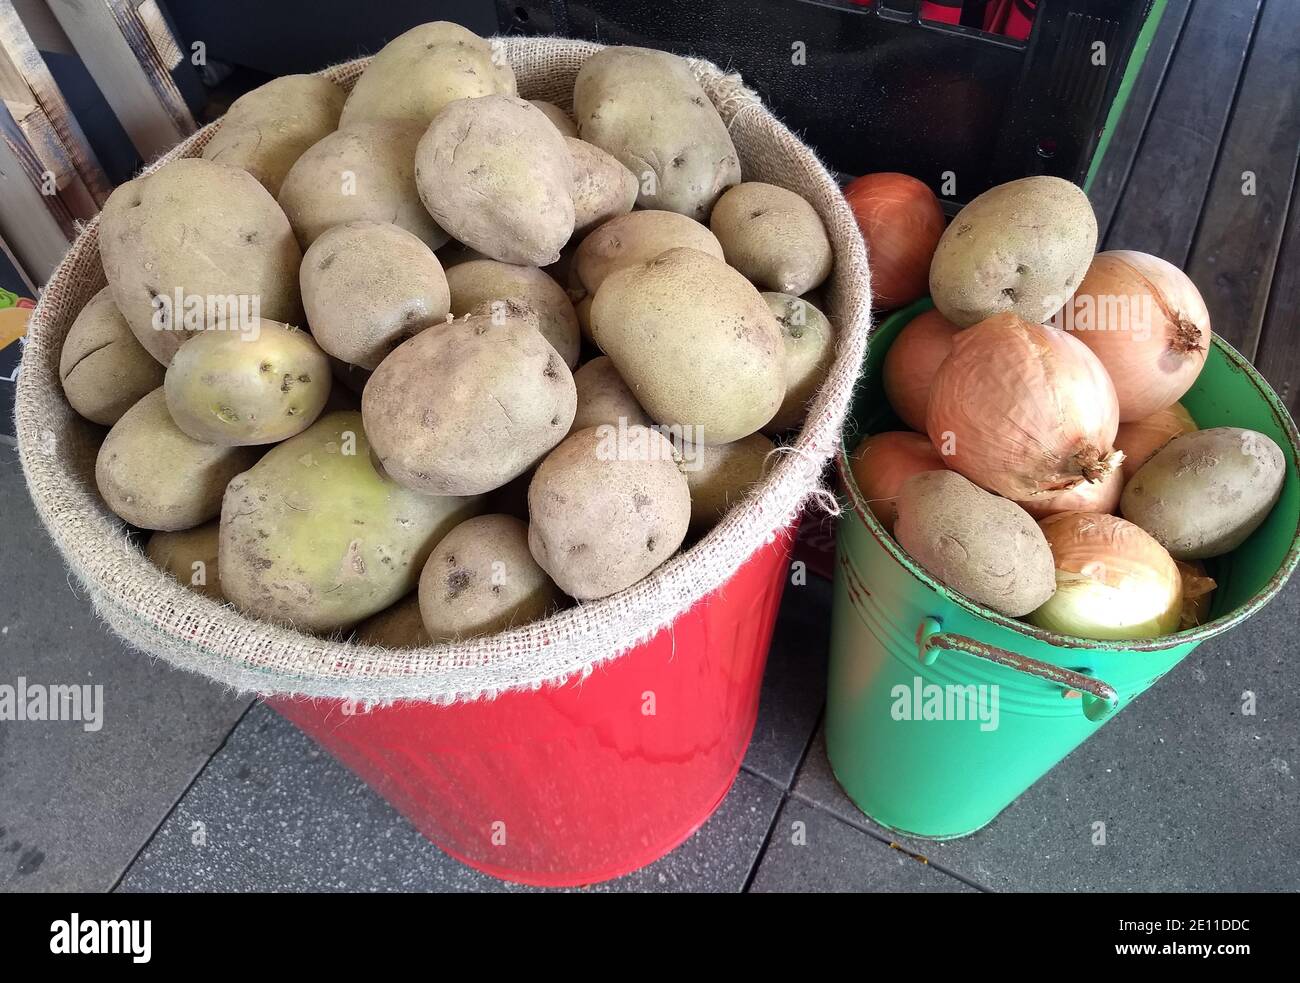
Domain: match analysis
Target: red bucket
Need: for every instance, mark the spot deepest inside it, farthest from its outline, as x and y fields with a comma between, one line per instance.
x=585, y=781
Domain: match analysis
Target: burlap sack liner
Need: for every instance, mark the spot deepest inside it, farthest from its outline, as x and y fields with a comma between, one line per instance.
x=155, y=614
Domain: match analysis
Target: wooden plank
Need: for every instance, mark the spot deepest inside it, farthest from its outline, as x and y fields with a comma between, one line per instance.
x=1163, y=197
x=45, y=31
x=1278, y=356
x=125, y=64
x=1236, y=246
x=42, y=113
x=27, y=223
x=1117, y=165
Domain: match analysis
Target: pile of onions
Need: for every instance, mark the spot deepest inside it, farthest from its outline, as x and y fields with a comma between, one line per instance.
x=1089, y=496
x=1142, y=438
x=1023, y=410
x=883, y=461
x=1146, y=321
x=1197, y=588
x=901, y=220
x=1113, y=580
x=911, y=362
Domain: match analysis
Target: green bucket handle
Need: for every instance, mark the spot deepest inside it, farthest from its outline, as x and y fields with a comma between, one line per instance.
x=1099, y=699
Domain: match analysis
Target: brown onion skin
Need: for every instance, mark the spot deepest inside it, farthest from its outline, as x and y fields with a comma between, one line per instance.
x=1198, y=591
x=883, y=461
x=912, y=361
x=1021, y=409
x=1142, y=438
x=902, y=221
x=1090, y=496
x=1161, y=305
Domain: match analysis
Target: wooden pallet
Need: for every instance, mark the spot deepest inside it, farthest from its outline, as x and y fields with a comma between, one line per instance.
x=1202, y=171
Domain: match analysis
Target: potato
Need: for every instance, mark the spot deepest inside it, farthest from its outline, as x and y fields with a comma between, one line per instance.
x=190, y=556
x=104, y=370
x=602, y=187
x=233, y=390
x=418, y=73
x=720, y=475
x=313, y=536
x=646, y=108
x=150, y=473
x=486, y=281
x=195, y=246
x=696, y=343
x=809, y=350
x=604, y=398
x=1021, y=247
x=1204, y=493
x=398, y=627
x=497, y=175
x=604, y=513
x=772, y=236
x=369, y=286
x=638, y=237
x=562, y=120
x=364, y=172
x=266, y=130
x=463, y=409
x=481, y=579
x=974, y=542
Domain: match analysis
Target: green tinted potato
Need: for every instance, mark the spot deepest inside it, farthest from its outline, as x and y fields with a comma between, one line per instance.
x=235, y=389
x=313, y=536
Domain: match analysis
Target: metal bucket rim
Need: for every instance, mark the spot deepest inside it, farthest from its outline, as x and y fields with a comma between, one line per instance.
x=1191, y=635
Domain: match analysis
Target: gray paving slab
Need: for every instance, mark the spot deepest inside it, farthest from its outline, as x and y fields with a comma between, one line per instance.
x=794, y=687
x=274, y=812
x=77, y=804
x=812, y=850
x=1194, y=795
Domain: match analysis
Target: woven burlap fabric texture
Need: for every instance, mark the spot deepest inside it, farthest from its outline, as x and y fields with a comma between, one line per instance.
x=156, y=615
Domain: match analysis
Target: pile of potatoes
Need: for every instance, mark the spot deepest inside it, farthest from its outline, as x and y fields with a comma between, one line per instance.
x=1021, y=254
x=426, y=360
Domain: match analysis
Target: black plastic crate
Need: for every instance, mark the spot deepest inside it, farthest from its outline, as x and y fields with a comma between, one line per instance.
x=881, y=89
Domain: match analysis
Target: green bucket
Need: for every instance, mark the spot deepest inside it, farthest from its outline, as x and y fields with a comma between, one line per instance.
x=940, y=712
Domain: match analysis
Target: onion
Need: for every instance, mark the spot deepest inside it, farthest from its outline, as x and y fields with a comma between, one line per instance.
x=1113, y=580
x=1090, y=496
x=883, y=461
x=1146, y=321
x=1023, y=409
x=911, y=362
x=902, y=221
x=1197, y=588
x=1142, y=438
